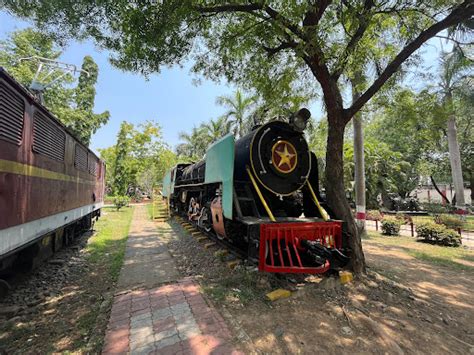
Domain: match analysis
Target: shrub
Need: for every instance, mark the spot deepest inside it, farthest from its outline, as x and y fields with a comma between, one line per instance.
x=429, y=231
x=452, y=222
x=391, y=225
x=438, y=234
x=450, y=238
x=374, y=215
x=121, y=201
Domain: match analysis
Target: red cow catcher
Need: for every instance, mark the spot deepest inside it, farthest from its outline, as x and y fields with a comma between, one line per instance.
x=283, y=246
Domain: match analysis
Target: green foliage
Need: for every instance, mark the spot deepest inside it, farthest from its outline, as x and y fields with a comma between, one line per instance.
x=88, y=122
x=434, y=208
x=243, y=112
x=139, y=159
x=452, y=222
x=28, y=43
x=385, y=169
x=399, y=126
x=195, y=144
x=438, y=234
x=122, y=171
x=73, y=106
x=398, y=122
x=391, y=225
x=237, y=114
x=121, y=201
x=275, y=48
x=109, y=156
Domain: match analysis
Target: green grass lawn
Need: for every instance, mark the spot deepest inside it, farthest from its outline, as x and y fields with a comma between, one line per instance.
x=459, y=258
x=149, y=209
x=107, y=245
x=105, y=254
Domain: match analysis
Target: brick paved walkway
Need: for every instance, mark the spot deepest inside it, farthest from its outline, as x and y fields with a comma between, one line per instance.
x=168, y=319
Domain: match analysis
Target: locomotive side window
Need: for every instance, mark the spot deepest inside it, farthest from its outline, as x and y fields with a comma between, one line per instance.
x=92, y=163
x=80, y=158
x=48, y=138
x=12, y=109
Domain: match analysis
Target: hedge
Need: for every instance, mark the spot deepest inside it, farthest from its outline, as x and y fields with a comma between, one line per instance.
x=391, y=225
x=438, y=234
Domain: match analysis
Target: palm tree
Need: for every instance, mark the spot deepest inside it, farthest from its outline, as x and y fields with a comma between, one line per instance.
x=216, y=129
x=238, y=106
x=194, y=145
x=453, y=70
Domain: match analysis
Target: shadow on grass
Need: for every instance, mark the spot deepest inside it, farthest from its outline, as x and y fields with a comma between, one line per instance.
x=425, y=250
x=107, y=246
x=442, y=261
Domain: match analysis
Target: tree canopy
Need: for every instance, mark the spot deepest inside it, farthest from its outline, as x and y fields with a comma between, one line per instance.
x=139, y=159
x=270, y=46
x=73, y=106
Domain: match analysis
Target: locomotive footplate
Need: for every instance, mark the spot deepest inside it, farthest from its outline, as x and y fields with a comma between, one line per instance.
x=301, y=247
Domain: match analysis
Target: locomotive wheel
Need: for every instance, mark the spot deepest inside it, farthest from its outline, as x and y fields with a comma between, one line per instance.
x=69, y=235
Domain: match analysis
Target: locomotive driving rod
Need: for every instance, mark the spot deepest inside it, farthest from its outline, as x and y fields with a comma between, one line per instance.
x=259, y=193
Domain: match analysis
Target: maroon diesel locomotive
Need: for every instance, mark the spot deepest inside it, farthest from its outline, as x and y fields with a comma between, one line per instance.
x=51, y=185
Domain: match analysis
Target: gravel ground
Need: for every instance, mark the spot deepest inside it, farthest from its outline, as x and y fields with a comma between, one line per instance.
x=48, y=308
x=31, y=289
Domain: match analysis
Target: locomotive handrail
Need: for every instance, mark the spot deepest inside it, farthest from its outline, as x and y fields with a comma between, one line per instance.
x=321, y=210
x=259, y=193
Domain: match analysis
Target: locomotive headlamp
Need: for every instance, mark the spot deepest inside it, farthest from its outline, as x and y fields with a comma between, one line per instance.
x=299, y=120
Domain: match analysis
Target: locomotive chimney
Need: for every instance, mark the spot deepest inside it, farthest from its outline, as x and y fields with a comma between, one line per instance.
x=299, y=120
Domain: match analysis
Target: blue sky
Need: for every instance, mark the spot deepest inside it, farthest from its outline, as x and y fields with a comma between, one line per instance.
x=169, y=98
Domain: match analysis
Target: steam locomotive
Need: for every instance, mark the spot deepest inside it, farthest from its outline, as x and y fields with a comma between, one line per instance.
x=260, y=196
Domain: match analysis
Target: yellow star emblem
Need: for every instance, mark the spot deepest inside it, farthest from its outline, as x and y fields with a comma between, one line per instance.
x=285, y=157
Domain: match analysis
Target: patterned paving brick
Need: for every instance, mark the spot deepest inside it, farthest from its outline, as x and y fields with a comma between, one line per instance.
x=166, y=327
x=169, y=319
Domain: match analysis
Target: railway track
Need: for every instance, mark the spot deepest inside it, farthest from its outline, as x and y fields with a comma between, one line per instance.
x=236, y=256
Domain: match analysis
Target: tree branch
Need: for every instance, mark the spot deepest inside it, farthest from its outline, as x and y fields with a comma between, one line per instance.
x=253, y=8
x=229, y=8
x=438, y=190
x=296, y=30
x=332, y=94
x=284, y=45
x=363, y=24
x=460, y=13
x=315, y=13
x=455, y=41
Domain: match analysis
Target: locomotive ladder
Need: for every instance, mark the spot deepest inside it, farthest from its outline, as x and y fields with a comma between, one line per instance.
x=160, y=208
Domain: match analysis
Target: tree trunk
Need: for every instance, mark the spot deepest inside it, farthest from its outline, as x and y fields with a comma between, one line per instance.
x=443, y=196
x=336, y=196
x=359, y=164
x=455, y=159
